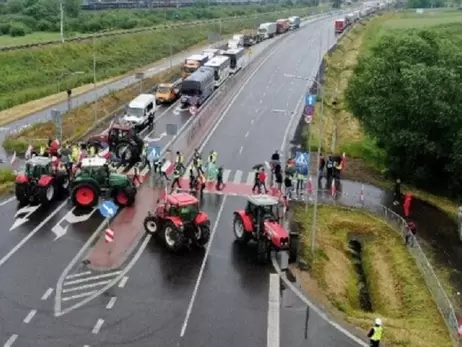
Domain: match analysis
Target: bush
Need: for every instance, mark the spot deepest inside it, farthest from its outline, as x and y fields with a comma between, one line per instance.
x=4, y=28
x=6, y=175
x=19, y=29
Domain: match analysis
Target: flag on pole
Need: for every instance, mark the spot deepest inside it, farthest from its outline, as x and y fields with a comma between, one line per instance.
x=28, y=153
x=333, y=188
x=13, y=160
x=309, y=186
x=343, y=162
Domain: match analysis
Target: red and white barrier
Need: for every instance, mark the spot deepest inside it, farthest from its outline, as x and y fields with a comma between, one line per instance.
x=309, y=186
x=108, y=235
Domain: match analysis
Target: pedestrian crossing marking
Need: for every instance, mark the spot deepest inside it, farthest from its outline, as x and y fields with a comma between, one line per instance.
x=251, y=179
x=238, y=177
x=226, y=174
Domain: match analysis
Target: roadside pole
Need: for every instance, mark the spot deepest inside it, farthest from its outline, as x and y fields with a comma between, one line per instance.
x=56, y=116
x=140, y=76
x=94, y=81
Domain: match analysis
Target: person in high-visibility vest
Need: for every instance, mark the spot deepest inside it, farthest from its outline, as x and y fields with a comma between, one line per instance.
x=375, y=334
x=300, y=182
x=92, y=151
x=176, y=179
x=75, y=153
x=179, y=159
x=43, y=151
x=213, y=156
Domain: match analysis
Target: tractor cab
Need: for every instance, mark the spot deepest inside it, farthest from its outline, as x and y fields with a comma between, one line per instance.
x=182, y=207
x=37, y=167
x=261, y=208
x=118, y=132
x=95, y=167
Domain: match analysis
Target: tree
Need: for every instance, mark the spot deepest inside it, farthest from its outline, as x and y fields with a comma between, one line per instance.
x=406, y=94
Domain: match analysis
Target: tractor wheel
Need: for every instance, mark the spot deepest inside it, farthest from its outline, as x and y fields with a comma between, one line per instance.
x=151, y=225
x=21, y=193
x=263, y=251
x=46, y=194
x=242, y=236
x=202, y=234
x=85, y=195
x=124, y=150
x=125, y=196
x=174, y=239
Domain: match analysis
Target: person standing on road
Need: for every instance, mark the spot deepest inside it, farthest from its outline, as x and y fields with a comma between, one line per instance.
x=262, y=180
x=375, y=334
x=176, y=179
x=322, y=166
x=329, y=171
x=256, y=181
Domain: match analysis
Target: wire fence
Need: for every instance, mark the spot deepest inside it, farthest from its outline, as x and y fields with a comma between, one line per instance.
x=399, y=224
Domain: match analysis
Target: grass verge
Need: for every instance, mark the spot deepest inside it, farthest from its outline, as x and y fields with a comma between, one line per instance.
x=78, y=121
x=397, y=291
x=22, y=81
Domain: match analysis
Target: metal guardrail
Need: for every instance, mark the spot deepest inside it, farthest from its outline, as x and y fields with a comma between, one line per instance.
x=138, y=30
x=399, y=224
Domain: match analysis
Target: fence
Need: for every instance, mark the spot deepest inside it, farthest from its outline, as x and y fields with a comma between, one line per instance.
x=399, y=224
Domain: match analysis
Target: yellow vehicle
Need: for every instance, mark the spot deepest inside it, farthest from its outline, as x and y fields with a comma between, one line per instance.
x=167, y=93
x=192, y=63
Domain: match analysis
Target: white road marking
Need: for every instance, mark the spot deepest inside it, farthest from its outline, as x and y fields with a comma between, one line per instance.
x=98, y=325
x=226, y=174
x=10, y=341
x=279, y=111
x=97, y=277
x=31, y=234
x=312, y=306
x=252, y=121
x=237, y=177
x=273, y=338
x=80, y=274
x=186, y=172
x=78, y=296
x=250, y=178
x=86, y=346
x=111, y=303
x=4, y=202
x=102, y=283
x=29, y=316
x=47, y=294
x=241, y=149
x=247, y=133
x=201, y=271
x=123, y=282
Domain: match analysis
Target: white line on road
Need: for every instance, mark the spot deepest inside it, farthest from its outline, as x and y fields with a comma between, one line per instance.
x=102, y=283
x=97, y=277
x=7, y=201
x=98, y=325
x=10, y=341
x=241, y=149
x=78, y=296
x=31, y=234
x=29, y=317
x=80, y=274
x=273, y=339
x=201, y=271
x=246, y=134
x=111, y=303
x=47, y=294
x=123, y=282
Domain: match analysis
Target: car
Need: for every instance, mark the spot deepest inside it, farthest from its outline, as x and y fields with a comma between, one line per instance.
x=168, y=93
x=40, y=182
x=179, y=222
x=122, y=140
x=260, y=222
x=94, y=179
x=140, y=112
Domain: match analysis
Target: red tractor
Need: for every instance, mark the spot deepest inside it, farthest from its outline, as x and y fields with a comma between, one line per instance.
x=179, y=222
x=40, y=182
x=260, y=221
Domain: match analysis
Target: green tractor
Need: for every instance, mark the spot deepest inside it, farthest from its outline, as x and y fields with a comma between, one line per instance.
x=95, y=179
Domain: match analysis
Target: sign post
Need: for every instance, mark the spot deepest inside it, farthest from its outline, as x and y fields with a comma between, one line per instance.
x=308, y=113
x=140, y=77
x=57, y=119
x=108, y=210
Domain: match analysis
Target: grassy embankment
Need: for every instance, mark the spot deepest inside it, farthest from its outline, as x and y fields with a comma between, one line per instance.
x=29, y=74
x=76, y=122
x=365, y=159
x=397, y=291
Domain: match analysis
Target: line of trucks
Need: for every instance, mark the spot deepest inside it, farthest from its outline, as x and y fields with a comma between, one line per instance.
x=343, y=23
x=204, y=72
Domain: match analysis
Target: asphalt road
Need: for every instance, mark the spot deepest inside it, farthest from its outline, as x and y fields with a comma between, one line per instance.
x=163, y=300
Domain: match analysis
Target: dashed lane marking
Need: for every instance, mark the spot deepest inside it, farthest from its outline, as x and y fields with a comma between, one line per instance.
x=98, y=325
x=10, y=341
x=47, y=294
x=111, y=303
x=123, y=282
x=29, y=316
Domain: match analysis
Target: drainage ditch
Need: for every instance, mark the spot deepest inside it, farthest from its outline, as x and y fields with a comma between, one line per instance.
x=355, y=248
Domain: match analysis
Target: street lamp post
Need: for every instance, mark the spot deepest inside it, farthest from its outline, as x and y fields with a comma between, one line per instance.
x=69, y=91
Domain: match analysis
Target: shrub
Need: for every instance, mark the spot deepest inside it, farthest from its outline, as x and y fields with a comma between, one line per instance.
x=19, y=29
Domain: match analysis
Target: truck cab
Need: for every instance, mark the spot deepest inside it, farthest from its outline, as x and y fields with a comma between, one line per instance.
x=340, y=25
x=167, y=93
x=193, y=63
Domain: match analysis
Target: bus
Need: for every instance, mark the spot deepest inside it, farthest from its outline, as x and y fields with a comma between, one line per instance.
x=236, y=57
x=221, y=67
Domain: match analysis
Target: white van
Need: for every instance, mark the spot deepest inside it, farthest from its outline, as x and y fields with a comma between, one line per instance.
x=140, y=111
x=220, y=65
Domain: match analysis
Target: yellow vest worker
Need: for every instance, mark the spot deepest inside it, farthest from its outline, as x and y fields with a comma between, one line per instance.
x=179, y=158
x=375, y=334
x=42, y=151
x=75, y=153
x=92, y=151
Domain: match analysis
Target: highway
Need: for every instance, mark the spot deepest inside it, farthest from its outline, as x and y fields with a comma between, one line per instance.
x=201, y=298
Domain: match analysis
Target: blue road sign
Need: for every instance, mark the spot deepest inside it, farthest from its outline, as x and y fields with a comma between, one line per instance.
x=310, y=99
x=153, y=152
x=302, y=163
x=108, y=209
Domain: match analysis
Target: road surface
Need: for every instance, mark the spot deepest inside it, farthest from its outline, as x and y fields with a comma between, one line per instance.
x=202, y=298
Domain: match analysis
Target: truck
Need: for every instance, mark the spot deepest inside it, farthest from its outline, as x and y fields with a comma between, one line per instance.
x=251, y=37
x=267, y=30
x=294, y=22
x=197, y=87
x=282, y=26
x=192, y=63
x=340, y=26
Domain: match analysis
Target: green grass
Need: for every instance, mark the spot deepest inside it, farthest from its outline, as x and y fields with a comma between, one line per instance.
x=408, y=20
x=397, y=290
x=367, y=150
x=37, y=37
x=32, y=74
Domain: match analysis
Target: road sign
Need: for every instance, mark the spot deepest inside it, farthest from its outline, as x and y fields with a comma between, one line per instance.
x=302, y=162
x=193, y=110
x=108, y=209
x=154, y=152
x=308, y=119
x=108, y=235
x=310, y=99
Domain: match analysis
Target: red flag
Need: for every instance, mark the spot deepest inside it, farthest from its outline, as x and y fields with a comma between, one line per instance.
x=333, y=188
x=407, y=204
x=13, y=160
x=309, y=186
x=343, y=162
